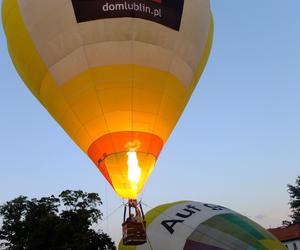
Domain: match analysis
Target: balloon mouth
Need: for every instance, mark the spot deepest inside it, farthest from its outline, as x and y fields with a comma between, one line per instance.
x=126, y=159
x=129, y=172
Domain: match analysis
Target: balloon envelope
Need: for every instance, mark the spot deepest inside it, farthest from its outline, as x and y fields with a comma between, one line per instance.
x=116, y=75
x=193, y=225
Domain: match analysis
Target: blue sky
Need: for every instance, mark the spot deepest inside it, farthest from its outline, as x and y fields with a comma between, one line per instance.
x=237, y=143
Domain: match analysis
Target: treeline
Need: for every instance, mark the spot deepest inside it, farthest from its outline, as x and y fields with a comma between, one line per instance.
x=60, y=223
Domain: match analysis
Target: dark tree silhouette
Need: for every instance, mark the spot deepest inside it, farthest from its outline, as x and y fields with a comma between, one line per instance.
x=294, y=192
x=53, y=223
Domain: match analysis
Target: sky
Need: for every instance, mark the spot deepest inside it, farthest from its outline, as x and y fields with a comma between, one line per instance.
x=237, y=143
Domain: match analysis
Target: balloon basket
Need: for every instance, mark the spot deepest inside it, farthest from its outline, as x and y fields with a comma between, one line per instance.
x=134, y=227
x=134, y=233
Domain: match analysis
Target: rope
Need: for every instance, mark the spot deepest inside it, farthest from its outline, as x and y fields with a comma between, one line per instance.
x=148, y=239
x=106, y=207
x=111, y=214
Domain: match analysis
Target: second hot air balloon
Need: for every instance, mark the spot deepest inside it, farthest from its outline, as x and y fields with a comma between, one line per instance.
x=191, y=225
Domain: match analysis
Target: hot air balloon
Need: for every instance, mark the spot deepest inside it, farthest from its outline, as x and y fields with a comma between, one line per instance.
x=115, y=74
x=190, y=225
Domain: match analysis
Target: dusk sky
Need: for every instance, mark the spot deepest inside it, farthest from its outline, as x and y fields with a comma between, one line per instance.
x=237, y=144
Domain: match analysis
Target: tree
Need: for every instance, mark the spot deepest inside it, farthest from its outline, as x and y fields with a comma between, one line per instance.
x=53, y=223
x=294, y=192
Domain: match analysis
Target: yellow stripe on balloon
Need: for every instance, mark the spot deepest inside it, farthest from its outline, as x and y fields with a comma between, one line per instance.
x=21, y=48
x=107, y=99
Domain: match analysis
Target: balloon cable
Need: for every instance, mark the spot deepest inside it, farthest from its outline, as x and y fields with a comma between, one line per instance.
x=111, y=214
x=148, y=239
x=106, y=208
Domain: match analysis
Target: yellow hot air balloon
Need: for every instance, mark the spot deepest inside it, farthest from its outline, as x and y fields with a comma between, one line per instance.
x=115, y=74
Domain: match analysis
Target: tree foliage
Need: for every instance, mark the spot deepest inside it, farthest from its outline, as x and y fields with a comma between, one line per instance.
x=53, y=223
x=294, y=192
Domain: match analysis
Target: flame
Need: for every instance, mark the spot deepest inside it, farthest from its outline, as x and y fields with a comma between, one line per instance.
x=134, y=170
